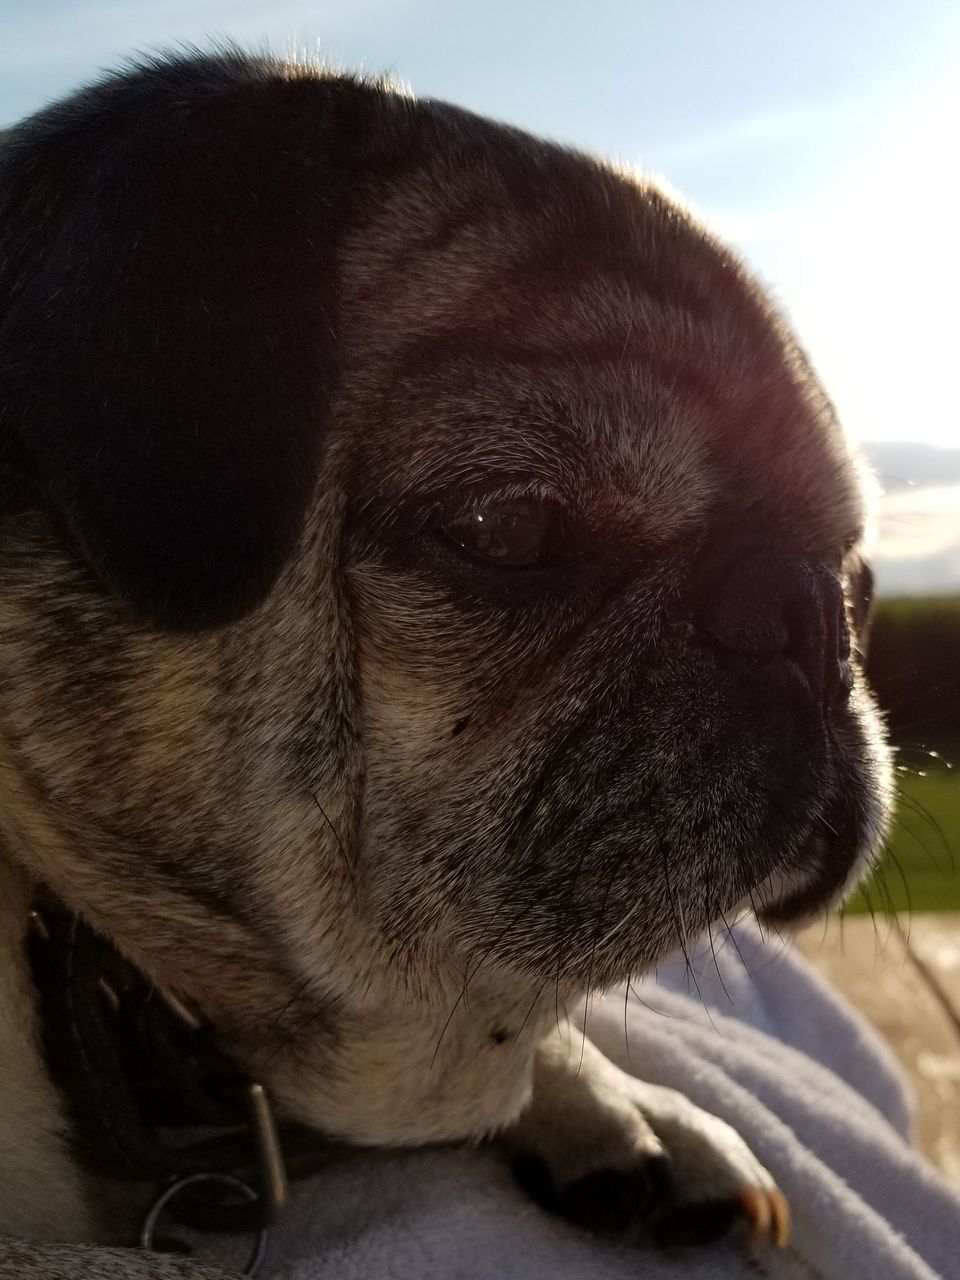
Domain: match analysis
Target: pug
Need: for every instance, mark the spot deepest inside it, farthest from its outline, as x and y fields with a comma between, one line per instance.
x=426, y=571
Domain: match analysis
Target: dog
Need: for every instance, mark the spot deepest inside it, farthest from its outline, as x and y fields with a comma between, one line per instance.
x=426, y=580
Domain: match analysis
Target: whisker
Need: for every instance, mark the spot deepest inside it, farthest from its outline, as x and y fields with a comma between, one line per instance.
x=601, y=910
x=733, y=938
x=299, y=991
x=351, y=871
x=716, y=962
x=920, y=810
x=298, y=1029
x=470, y=973
x=529, y=1013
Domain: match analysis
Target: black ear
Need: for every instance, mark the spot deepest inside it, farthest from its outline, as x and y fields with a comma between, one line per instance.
x=167, y=321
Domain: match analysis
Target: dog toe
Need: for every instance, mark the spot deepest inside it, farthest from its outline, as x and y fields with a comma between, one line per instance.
x=763, y=1212
x=613, y=1199
x=605, y=1200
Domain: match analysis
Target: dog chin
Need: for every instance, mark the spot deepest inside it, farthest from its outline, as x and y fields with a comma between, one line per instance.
x=841, y=849
x=828, y=877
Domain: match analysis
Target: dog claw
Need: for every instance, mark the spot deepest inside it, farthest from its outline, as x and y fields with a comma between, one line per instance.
x=767, y=1213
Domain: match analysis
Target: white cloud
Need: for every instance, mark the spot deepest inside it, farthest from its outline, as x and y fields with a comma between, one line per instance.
x=782, y=126
x=870, y=267
x=918, y=545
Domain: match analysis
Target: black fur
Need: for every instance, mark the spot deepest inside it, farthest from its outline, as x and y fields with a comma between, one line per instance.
x=168, y=321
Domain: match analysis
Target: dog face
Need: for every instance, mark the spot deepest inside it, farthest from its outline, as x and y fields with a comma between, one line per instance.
x=423, y=553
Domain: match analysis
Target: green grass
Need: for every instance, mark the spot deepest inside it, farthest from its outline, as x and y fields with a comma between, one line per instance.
x=918, y=612
x=920, y=870
x=912, y=665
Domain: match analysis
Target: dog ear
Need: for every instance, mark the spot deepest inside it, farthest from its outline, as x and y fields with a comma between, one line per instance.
x=167, y=321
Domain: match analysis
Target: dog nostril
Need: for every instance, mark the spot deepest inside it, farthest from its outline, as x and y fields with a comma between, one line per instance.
x=769, y=606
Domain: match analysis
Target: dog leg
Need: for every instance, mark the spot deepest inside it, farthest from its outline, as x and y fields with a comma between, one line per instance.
x=614, y=1153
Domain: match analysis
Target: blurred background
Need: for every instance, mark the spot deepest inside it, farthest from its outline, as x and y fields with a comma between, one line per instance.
x=819, y=138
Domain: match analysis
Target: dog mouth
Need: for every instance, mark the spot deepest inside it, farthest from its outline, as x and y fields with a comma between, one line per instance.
x=845, y=833
x=828, y=868
x=821, y=871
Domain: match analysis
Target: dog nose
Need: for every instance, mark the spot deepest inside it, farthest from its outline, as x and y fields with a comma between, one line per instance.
x=780, y=606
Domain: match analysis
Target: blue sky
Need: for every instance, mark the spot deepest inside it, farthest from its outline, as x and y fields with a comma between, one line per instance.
x=820, y=137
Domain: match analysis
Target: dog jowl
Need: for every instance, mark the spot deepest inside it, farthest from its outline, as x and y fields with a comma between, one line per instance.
x=423, y=569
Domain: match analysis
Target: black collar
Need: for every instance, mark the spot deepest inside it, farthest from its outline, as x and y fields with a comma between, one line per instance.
x=142, y=1075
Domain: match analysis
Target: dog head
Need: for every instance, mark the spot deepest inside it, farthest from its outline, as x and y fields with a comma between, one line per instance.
x=423, y=550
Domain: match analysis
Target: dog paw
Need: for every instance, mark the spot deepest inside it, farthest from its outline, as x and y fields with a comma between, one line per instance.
x=619, y=1156
x=719, y=1183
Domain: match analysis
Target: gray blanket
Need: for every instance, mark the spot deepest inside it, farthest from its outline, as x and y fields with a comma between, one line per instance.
x=766, y=1045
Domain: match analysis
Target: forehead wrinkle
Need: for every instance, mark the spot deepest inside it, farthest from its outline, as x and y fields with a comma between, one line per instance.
x=548, y=293
x=605, y=335
x=502, y=254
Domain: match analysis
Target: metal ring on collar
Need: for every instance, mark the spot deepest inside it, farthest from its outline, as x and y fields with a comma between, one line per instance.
x=224, y=1179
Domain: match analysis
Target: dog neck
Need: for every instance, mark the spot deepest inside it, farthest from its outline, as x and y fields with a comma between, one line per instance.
x=143, y=1077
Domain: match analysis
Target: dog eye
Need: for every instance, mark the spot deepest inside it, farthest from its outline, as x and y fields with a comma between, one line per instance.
x=509, y=532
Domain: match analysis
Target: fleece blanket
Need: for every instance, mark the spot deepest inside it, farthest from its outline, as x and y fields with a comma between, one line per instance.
x=765, y=1044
